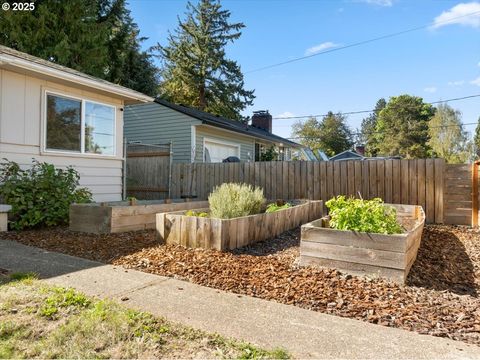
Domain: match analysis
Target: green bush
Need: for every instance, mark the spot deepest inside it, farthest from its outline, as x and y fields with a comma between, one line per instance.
x=40, y=195
x=371, y=216
x=231, y=200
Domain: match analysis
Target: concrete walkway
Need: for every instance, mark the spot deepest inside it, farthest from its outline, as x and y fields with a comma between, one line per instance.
x=304, y=333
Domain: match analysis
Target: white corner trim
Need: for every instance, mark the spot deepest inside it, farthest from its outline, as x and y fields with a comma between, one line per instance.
x=193, y=144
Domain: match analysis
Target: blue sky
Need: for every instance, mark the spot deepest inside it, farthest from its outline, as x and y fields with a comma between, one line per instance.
x=437, y=63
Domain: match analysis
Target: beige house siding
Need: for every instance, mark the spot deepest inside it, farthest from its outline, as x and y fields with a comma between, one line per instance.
x=247, y=144
x=22, y=103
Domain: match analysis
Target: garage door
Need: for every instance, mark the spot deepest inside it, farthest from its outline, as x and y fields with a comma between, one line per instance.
x=216, y=152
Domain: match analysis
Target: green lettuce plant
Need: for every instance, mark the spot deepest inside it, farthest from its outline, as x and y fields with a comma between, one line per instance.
x=371, y=216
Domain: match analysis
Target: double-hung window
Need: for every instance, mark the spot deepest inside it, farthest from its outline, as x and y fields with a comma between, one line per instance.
x=80, y=126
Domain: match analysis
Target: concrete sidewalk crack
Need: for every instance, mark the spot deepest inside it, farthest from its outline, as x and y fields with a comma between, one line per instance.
x=144, y=286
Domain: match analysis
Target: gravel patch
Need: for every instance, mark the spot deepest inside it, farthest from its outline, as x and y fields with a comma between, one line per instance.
x=440, y=298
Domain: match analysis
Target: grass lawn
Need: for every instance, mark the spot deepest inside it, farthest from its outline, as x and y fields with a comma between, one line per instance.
x=41, y=321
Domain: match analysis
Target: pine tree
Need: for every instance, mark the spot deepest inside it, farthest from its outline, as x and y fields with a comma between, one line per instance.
x=97, y=37
x=369, y=125
x=402, y=127
x=331, y=134
x=476, y=139
x=448, y=139
x=196, y=70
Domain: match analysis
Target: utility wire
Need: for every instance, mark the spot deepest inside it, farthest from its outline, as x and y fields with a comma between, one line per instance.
x=370, y=111
x=359, y=43
x=378, y=132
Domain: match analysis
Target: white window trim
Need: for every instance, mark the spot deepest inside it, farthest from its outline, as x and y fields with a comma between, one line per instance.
x=82, y=152
x=221, y=142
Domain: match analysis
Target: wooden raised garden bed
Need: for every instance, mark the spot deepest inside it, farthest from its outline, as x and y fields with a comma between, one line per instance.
x=374, y=255
x=228, y=234
x=120, y=216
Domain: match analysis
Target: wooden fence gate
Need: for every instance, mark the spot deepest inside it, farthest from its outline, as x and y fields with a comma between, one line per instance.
x=148, y=171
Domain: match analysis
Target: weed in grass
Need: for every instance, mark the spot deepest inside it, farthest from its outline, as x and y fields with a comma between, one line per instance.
x=127, y=331
x=62, y=298
x=18, y=277
x=88, y=328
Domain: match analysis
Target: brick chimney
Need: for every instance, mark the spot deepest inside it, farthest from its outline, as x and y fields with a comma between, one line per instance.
x=262, y=120
x=360, y=149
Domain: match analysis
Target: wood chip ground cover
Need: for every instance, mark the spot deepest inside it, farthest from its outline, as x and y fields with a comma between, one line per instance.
x=441, y=297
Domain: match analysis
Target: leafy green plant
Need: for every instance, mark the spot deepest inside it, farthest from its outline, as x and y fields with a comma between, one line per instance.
x=232, y=200
x=371, y=216
x=40, y=195
x=196, y=213
x=275, y=207
x=62, y=298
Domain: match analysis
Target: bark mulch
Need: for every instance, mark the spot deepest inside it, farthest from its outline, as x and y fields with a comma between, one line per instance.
x=441, y=297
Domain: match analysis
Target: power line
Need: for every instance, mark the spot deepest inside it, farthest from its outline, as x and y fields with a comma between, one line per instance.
x=359, y=43
x=370, y=111
x=378, y=132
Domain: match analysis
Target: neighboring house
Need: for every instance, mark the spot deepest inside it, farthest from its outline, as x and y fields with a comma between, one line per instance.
x=198, y=136
x=347, y=155
x=64, y=117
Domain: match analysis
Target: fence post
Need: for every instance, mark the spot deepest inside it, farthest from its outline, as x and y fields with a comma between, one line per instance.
x=475, y=194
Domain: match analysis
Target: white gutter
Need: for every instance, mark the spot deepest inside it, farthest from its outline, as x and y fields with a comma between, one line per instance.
x=6, y=59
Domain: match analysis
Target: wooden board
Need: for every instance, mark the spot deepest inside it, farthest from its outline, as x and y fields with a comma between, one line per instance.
x=429, y=183
x=367, y=254
x=92, y=218
x=228, y=234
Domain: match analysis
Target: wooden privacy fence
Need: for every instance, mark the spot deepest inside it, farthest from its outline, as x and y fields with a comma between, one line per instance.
x=148, y=171
x=414, y=182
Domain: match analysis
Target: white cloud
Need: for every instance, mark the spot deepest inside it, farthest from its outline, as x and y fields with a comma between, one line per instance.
x=456, y=83
x=478, y=63
x=476, y=81
x=430, y=89
x=459, y=15
x=321, y=47
x=386, y=3
x=284, y=115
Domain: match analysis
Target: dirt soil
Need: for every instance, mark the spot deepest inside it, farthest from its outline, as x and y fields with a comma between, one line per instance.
x=441, y=297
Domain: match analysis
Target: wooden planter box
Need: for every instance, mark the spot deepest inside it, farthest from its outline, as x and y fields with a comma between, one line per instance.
x=114, y=217
x=228, y=234
x=374, y=255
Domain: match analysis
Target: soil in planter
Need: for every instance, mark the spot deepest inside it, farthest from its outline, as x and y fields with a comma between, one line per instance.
x=441, y=298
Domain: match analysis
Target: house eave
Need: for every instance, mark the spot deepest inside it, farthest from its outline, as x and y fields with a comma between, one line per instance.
x=8, y=61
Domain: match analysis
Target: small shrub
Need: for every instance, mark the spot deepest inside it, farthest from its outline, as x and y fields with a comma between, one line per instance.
x=232, y=200
x=40, y=195
x=363, y=215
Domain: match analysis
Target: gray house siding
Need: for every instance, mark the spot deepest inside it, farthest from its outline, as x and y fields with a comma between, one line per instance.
x=156, y=124
x=247, y=144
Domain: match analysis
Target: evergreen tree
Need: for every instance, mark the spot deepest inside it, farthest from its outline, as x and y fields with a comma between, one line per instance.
x=448, y=139
x=369, y=125
x=97, y=37
x=476, y=139
x=402, y=127
x=331, y=135
x=196, y=70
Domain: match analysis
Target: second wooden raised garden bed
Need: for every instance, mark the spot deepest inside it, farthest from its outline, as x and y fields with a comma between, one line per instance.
x=228, y=234
x=121, y=216
x=356, y=253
